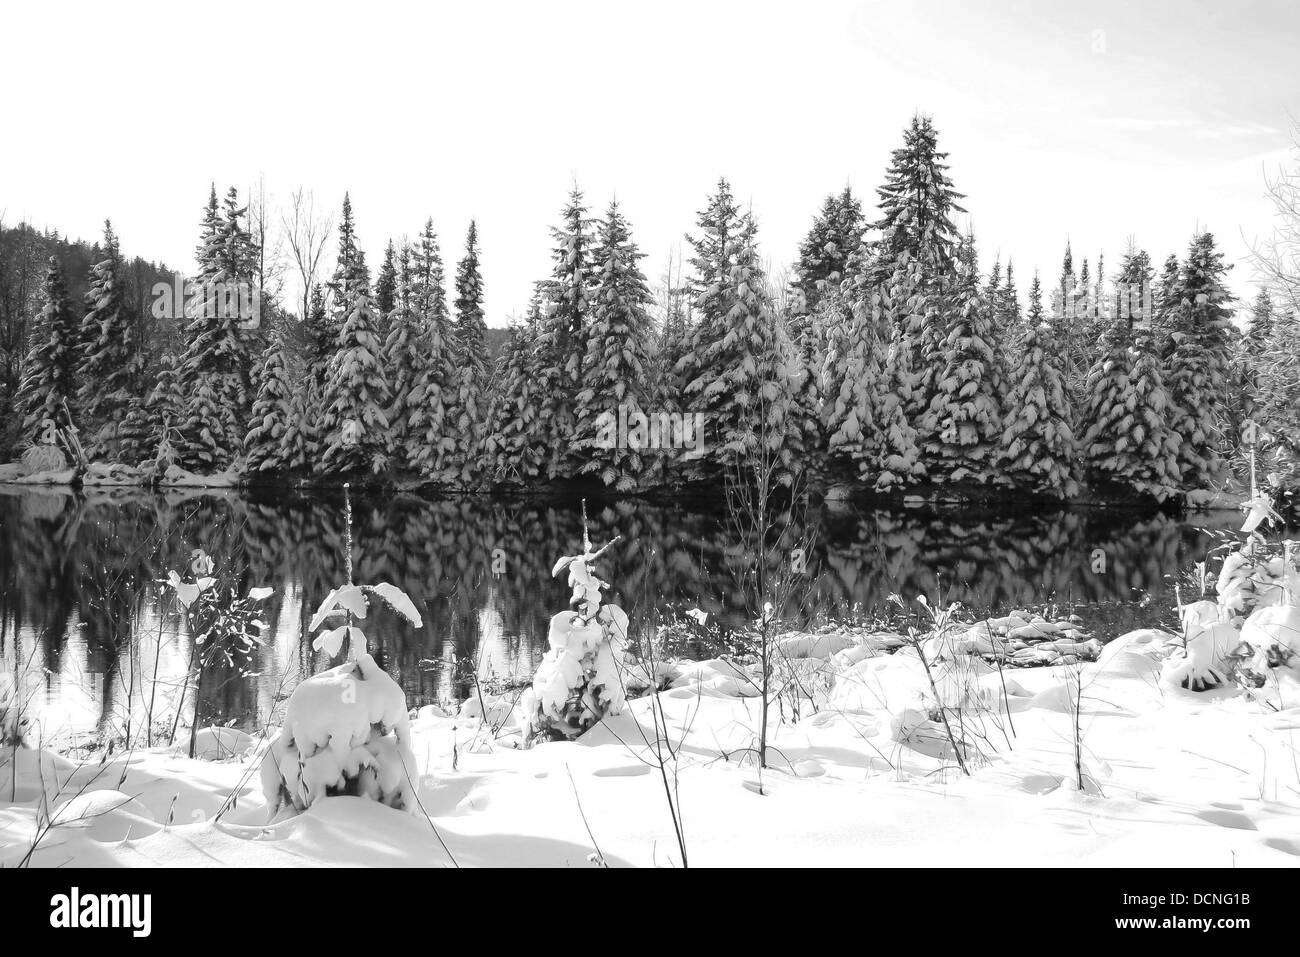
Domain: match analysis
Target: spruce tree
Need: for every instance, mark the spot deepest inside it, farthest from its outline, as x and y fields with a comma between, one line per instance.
x=435, y=446
x=386, y=282
x=516, y=451
x=565, y=332
x=614, y=378
x=405, y=355
x=162, y=412
x=860, y=327
x=471, y=328
x=321, y=335
x=1165, y=304
x=739, y=369
x=1199, y=368
x=468, y=406
x=917, y=203
x=1067, y=334
x=214, y=367
x=1006, y=310
x=47, y=391
x=825, y=252
x=356, y=397
x=961, y=426
x=265, y=448
x=111, y=371
x=899, y=459
x=1259, y=329
x=1126, y=442
x=1038, y=446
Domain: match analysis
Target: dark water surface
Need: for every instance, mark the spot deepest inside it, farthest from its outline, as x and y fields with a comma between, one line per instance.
x=91, y=637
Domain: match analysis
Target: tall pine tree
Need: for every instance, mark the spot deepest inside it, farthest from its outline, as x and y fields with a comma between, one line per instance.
x=614, y=378
x=111, y=371
x=1199, y=369
x=47, y=391
x=356, y=396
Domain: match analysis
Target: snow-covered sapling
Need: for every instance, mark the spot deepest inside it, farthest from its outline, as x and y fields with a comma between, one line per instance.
x=578, y=682
x=346, y=730
x=224, y=628
x=1208, y=640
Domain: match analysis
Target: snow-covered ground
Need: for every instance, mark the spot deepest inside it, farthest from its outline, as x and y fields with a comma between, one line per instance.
x=1207, y=779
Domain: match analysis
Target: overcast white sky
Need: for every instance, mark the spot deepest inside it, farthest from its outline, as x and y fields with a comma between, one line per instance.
x=1093, y=120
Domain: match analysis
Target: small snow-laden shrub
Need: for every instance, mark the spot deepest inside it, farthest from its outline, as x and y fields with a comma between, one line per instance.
x=1209, y=640
x=1273, y=637
x=1256, y=576
x=579, y=681
x=346, y=730
x=44, y=458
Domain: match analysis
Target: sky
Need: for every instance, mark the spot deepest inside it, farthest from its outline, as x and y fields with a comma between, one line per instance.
x=1089, y=122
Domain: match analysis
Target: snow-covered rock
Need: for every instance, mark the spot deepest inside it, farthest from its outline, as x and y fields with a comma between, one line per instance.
x=217, y=744
x=177, y=477
x=717, y=677
x=113, y=473
x=809, y=645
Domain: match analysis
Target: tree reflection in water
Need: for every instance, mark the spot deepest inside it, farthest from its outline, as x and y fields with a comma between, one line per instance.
x=83, y=619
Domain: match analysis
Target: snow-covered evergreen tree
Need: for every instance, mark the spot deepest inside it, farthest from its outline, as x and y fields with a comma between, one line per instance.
x=516, y=451
x=162, y=411
x=856, y=352
x=264, y=446
x=468, y=405
x=386, y=283
x=1006, y=310
x=356, y=396
x=1038, y=445
x=1259, y=329
x=1199, y=369
x=1036, y=315
x=434, y=447
x=471, y=328
x=405, y=356
x=47, y=391
x=321, y=335
x=566, y=330
x=824, y=254
x=917, y=203
x=1067, y=331
x=899, y=459
x=1126, y=442
x=961, y=426
x=110, y=375
x=614, y=383
x=216, y=366
x=1165, y=303
x=300, y=445
x=739, y=370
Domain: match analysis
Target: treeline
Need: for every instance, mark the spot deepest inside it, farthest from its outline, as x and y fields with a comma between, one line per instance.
x=889, y=359
x=25, y=255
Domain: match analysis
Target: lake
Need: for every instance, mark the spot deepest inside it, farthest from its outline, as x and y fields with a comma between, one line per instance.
x=97, y=640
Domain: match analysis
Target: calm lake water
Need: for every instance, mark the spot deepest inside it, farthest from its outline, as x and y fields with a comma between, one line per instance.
x=85, y=626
